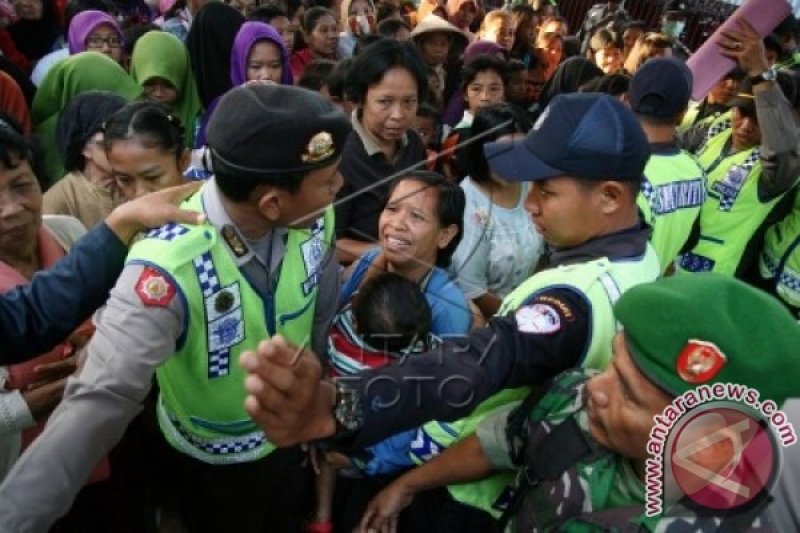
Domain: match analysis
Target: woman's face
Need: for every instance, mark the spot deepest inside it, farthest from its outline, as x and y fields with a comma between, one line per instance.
x=105, y=39
x=502, y=32
x=465, y=15
x=284, y=27
x=390, y=106
x=20, y=208
x=487, y=88
x=28, y=9
x=94, y=152
x=245, y=7
x=409, y=226
x=264, y=62
x=361, y=17
x=323, y=38
x=434, y=49
x=609, y=60
x=141, y=169
x=161, y=91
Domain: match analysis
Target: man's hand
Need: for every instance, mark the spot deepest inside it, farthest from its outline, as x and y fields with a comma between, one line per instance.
x=384, y=509
x=153, y=210
x=744, y=46
x=285, y=394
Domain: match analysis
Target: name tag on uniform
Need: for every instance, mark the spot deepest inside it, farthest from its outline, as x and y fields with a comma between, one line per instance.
x=225, y=321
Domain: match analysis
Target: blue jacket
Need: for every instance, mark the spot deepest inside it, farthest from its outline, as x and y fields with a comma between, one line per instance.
x=37, y=316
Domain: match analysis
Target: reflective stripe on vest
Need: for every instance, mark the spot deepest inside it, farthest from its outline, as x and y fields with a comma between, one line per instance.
x=732, y=212
x=201, y=410
x=673, y=191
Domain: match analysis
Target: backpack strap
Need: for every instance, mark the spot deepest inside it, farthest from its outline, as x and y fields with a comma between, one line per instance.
x=554, y=454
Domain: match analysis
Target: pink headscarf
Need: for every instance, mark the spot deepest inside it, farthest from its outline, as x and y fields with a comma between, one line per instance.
x=85, y=23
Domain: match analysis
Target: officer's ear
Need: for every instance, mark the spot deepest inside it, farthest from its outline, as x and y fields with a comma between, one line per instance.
x=613, y=196
x=269, y=204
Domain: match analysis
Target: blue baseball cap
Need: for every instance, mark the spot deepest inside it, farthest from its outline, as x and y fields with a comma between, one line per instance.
x=661, y=87
x=583, y=135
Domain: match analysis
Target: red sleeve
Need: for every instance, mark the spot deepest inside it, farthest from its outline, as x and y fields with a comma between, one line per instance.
x=9, y=50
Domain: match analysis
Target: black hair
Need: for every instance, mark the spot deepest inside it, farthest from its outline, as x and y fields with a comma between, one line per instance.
x=499, y=119
x=363, y=41
x=481, y=63
x=15, y=148
x=238, y=186
x=312, y=16
x=428, y=110
x=151, y=122
x=133, y=33
x=570, y=46
x=449, y=208
x=515, y=65
x=266, y=13
x=326, y=4
x=391, y=313
x=390, y=27
x=635, y=24
x=337, y=79
x=613, y=84
x=74, y=7
x=604, y=38
x=316, y=74
x=369, y=67
x=292, y=7
x=773, y=42
x=385, y=11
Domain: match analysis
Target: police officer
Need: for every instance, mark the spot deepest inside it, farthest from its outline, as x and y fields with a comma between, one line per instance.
x=751, y=161
x=37, y=316
x=673, y=189
x=189, y=301
x=581, y=445
x=585, y=157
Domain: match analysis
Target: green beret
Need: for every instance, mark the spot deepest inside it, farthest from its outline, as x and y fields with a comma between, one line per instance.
x=694, y=329
x=262, y=129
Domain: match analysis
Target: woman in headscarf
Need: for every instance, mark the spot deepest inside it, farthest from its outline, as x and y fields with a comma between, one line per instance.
x=568, y=78
x=97, y=31
x=36, y=30
x=259, y=53
x=88, y=192
x=12, y=101
x=209, y=43
x=160, y=64
x=77, y=74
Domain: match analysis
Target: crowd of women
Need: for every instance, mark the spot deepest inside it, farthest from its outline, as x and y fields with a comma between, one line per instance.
x=112, y=99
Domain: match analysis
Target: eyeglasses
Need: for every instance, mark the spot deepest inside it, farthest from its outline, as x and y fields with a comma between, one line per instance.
x=95, y=41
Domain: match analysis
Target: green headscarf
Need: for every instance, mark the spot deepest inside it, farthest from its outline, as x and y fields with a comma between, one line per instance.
x=79, y=73
x=158, y=54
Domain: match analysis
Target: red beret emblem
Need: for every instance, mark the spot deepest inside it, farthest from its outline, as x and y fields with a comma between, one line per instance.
x=319, y=148
x=700, y=361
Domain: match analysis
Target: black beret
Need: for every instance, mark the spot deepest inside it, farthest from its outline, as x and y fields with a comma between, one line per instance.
x=271, y=129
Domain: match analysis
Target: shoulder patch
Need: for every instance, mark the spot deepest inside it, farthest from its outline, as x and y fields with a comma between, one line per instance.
x=538, y=318
x=154, y=288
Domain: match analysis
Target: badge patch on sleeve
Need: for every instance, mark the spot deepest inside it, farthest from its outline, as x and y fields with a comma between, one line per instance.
x=538, y=318
x=154, y=289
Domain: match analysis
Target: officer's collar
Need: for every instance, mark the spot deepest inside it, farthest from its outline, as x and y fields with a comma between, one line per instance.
x=626, y=244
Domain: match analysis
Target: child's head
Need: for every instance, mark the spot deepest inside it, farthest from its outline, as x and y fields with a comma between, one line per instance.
x=485, y=79
x=605, y=50
x=145, y=147
x=427, y=124
x=391, y=313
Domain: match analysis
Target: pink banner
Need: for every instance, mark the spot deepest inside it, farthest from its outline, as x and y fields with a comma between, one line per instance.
x=708, y=65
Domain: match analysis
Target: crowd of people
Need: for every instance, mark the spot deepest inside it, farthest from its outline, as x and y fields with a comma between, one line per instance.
x=308, y=265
